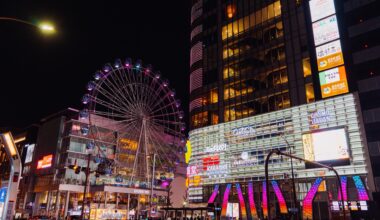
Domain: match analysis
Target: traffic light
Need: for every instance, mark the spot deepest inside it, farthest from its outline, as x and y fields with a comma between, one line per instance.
x=76, y=168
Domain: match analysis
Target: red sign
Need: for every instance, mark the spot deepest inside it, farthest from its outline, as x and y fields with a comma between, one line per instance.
x=209, y=161
x=45, y=162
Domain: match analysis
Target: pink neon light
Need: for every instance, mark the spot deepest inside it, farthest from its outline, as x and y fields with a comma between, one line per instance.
x=265, y=204
x=251, y=200
x=214, y=193
x=241, y=201
x=343, y=181
x=225, y=200
x=362, y=192
x=280, y=197
x=308, y=200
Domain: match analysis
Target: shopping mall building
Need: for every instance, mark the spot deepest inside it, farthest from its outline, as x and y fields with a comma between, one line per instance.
x=48, y=187
x=301, y=77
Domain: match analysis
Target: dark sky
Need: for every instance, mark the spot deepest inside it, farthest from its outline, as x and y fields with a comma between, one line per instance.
x=41, y=75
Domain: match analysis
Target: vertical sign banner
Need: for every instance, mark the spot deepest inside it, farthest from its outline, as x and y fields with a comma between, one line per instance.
x=333, y=82
x=3, y=196
x=328, y=48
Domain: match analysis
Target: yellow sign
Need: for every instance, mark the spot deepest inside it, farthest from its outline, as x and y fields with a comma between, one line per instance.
x=188, y=152
x=333, y=82
x=100, y=214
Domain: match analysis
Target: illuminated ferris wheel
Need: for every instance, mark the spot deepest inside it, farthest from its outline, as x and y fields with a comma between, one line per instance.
x=135, y=123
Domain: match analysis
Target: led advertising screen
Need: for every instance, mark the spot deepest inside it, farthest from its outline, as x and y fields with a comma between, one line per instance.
x=333, y=82
x=325, y=30
x=326, y=146
x=321, y=8
x=45, y=162
x=329, y=55
x=29, y=153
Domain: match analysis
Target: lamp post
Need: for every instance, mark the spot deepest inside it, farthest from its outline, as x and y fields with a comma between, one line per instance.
x=45, y=27
x=293, y=182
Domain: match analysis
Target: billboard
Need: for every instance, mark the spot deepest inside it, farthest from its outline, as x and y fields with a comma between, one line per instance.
x=29, y=153
x=333, y=82
x=325, y=30
x=45, y=162
x=326, y=145
x=329, y=55
x=321, y=8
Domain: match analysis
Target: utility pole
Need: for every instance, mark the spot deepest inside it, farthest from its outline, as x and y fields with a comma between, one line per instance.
x=152, y=184
x=296, y=210
x=85, y=185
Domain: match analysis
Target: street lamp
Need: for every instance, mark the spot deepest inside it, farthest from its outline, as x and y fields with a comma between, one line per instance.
x=295, y=211
x=45, y=27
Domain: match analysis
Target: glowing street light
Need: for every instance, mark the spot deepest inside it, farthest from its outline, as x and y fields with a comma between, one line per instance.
x=45, y=27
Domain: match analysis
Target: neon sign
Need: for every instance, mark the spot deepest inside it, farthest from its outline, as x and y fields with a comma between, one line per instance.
x=243, y=131
x=45, y=162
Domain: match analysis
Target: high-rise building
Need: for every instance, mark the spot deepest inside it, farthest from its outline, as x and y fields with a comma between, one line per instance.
x=266, y=72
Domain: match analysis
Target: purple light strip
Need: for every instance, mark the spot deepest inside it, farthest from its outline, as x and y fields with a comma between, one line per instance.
x=308, y=200
x=241, y=202
x=213, y=195
x=252, y=206
x=280, y=197
x=362, y=192
x=343, y=181
x=225, y=200
x=265, y=204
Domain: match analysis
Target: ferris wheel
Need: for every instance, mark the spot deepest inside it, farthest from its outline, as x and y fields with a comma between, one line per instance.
x=135, y=122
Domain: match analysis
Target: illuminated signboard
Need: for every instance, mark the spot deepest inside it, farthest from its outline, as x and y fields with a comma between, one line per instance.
x=216, y=148
x=327, y=145
x=325, y=30
x=320, y=117
x=329, y=55
x=45, y=162
x=29, y=152
x=210, y=161
x=321, y=8
x=333, y=82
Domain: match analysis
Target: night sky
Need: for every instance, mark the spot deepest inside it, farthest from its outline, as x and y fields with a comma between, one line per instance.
x=42, y=75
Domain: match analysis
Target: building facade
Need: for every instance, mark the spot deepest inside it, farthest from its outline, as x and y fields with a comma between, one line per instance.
x=249, y=58
x=50, y=187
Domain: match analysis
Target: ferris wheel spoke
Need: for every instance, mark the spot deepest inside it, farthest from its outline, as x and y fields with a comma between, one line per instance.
x=108, y=95
x=166, y=114
x=164, y=106
x=155, y=136
x=106, y=104
x=115, y=90
x=109, y=114
x=169, y=130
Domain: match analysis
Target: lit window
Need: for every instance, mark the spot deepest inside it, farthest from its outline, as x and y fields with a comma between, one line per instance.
x=230, y=10
x=228, y=72
x=214, y=96
x=309, y=93
x=306, y=67
x=214, y=119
